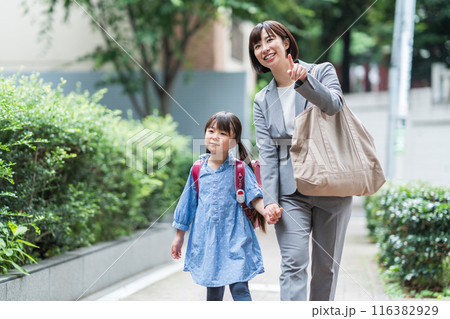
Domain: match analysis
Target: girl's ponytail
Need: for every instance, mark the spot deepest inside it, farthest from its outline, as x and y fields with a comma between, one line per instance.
x=244, y=155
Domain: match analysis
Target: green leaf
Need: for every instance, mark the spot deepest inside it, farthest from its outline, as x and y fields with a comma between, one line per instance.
x=13, y=227
x=27, y=243
x=8, y=194
x=29, y=257
x=36, y=229
x=8, y=252
x=20, y=231
x=3, y=268
x=177, y=3
x=22, y=270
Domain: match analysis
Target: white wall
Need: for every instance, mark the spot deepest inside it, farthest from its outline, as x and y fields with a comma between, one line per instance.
x=427, y=155
x=22, y=47
x=427, y=151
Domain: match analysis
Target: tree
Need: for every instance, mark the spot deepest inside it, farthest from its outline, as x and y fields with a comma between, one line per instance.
x=431, y=39
x=339, y=19
x=322, y=26
x=144, y=40
x=431, y=36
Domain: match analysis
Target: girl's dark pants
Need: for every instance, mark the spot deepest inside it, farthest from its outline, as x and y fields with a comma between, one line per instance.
x=239, y=291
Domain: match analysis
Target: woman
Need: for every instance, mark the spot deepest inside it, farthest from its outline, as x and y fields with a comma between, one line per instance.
x=273, y=49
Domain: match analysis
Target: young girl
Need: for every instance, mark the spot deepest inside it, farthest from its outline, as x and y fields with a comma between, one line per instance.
x=222, y=248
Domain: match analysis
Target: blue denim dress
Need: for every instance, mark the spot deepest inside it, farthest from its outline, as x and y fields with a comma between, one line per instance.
x=222, y=247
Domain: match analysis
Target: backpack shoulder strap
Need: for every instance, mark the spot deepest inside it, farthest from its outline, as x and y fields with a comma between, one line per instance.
x=196, y=173
x=239, y=173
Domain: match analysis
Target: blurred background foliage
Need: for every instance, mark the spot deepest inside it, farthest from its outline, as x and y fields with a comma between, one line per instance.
x=64, y=176
x=344, y=32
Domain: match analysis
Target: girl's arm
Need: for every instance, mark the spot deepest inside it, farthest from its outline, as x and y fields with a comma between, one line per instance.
x=184, y=215
x=271, y=217
x=177, y=244
x=187, y=205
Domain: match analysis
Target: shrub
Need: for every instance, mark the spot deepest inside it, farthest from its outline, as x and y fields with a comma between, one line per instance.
x=411, y=224
x=66, y=170
x=12, y=250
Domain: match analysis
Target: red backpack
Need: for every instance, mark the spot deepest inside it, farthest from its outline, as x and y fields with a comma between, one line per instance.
x=239, y=182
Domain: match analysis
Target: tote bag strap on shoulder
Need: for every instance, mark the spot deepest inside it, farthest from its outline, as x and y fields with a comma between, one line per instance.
x=313, y=70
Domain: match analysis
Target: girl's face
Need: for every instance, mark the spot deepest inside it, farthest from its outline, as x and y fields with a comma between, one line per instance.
x=219, y=141
x=271, y=49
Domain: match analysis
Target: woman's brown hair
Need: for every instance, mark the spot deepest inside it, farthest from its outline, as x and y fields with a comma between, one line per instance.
x=272, y=28
x=230, y=123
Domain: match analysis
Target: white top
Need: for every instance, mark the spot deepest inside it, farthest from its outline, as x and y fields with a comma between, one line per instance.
x=287, y=99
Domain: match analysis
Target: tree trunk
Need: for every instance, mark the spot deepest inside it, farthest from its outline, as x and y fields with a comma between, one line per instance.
x=146, y=96
x=164, y=100
x=134, y=102
x=345, y=69
x=368, y=87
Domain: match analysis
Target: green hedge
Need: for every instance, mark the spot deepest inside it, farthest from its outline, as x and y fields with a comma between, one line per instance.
x=411, y=224
x=64, y=173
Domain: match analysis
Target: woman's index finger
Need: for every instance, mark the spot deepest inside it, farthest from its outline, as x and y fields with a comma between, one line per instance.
x=291, y=61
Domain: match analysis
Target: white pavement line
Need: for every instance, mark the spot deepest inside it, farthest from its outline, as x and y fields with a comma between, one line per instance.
x=264, y=287
x=138, y=284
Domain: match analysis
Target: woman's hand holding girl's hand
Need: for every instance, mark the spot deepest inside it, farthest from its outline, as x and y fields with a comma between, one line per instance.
x=272, y=213
x=177, y=244
x=296, y=71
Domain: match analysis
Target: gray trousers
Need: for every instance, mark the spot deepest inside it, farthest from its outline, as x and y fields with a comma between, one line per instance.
x=327, y=219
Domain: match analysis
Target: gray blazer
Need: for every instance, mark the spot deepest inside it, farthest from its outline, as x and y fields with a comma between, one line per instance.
x=271, y=137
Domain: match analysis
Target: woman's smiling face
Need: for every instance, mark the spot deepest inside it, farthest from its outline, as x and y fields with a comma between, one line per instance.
x=271, y=49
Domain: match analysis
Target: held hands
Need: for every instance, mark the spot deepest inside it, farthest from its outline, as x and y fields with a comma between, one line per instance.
x=296, y=71
x=272, y=213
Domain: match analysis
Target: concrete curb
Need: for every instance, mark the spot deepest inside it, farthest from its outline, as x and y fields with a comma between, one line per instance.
x=82, y=272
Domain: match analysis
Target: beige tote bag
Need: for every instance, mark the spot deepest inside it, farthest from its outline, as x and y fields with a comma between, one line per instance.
x=334, y=155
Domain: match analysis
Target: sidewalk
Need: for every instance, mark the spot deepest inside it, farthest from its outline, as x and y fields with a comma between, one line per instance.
x=358, y=277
